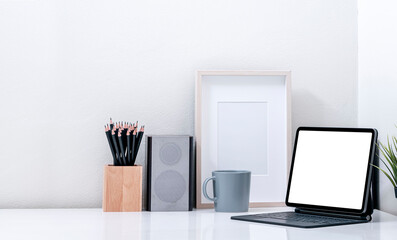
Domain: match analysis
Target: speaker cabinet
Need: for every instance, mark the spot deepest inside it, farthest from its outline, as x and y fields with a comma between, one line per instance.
x=170, y=178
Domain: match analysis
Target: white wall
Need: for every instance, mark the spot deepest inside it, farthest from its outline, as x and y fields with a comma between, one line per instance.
x=378, y=77
x=66, y=66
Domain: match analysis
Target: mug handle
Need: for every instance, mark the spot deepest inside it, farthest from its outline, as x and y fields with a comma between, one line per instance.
x=205, y=189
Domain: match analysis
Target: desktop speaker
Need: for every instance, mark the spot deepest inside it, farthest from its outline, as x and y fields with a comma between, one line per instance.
x=170, y=173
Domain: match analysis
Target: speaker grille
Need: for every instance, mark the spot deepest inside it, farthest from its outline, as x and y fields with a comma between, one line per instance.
x=170, y=153
x=170, y=186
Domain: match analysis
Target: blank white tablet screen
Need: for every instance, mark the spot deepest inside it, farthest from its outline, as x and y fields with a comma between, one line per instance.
x=330, y=168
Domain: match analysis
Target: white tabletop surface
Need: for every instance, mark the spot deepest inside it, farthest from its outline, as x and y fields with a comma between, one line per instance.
x=199, y=224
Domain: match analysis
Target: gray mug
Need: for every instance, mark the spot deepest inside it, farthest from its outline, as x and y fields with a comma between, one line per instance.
x=231, y=190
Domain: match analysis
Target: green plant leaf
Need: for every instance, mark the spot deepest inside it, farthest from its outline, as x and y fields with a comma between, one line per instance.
x=389, y=154
x=394, y=140
x=392, y=156
x=388, y=151
x=387, y=175
x=391, y=173
x=392, y=151
x=393, y=167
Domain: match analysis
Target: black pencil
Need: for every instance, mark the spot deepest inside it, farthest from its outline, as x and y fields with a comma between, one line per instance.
x=133, y=147
x=122, y=149
x=124, y=136
x=128, y=147
x=116, y=147
x=118, y=129
x=108, y=136
x=111, y=124
x=139, y=139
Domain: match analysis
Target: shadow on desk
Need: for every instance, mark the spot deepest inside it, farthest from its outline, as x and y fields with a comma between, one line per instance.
x=383, y=226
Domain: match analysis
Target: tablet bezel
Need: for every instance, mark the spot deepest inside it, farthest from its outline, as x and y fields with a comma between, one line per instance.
x=367, y=186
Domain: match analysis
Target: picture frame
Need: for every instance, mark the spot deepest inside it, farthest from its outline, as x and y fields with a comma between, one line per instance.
x=243, y=122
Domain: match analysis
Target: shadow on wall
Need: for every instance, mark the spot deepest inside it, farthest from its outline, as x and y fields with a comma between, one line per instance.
x=313, y=111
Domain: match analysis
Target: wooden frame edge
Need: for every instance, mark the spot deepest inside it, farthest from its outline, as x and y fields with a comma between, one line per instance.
x=198, y=95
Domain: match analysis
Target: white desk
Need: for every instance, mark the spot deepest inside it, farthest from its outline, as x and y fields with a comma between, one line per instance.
x=86, y=224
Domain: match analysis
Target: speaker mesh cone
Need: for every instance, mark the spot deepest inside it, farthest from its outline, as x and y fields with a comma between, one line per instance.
x=170, y=186
x=170, y=153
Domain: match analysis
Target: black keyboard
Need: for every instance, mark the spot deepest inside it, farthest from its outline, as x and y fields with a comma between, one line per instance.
x=297, y=219
x=293, y=216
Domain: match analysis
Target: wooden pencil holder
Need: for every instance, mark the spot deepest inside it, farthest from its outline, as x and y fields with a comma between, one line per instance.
x=122, y=189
